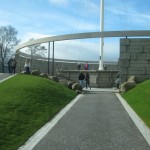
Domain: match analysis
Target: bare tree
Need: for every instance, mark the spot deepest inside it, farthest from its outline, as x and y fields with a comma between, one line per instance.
x=36, y=50
x=8, y=40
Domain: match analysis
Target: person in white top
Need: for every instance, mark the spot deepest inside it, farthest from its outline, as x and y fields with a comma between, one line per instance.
x=27, y=66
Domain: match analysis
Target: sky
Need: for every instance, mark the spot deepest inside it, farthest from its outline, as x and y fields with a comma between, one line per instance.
x=44, y=18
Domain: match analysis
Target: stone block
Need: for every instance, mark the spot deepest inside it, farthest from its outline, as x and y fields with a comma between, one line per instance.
x=124, y=63
x=44, y=75
x=123, y=49
x=147, y=48
x=123, y=70
x=36, y=72
x=127, y=86
x=54, y=78
x=131, y=79
x=134, y=49
x=141, y=78
x=123, y=78
x=148, y=56
x=142, y=56
x=64, y=82
x=137, y=65
x=93, y=78
x=148, y=71
x=124, y=42
x=142, y=61
x=124, y=55
x=144, y=71
x=77, y=86
x=136, y=72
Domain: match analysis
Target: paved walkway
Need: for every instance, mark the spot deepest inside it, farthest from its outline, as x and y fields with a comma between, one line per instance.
x=5, y=76
x=95, y=120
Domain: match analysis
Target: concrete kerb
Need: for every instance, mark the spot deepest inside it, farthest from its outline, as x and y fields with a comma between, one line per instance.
x=31, y=143
x=97, y=90
x=145, y=131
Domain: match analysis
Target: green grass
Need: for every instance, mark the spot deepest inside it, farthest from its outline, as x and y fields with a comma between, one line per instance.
x=26, y=104
x=139, y=99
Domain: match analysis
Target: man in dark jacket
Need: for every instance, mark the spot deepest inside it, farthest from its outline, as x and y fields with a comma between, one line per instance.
x=81, y=79
x=87, y=79
x=10, y=65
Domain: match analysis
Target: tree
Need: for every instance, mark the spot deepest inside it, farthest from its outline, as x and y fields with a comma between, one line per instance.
x=36, y=50
x=8, y=40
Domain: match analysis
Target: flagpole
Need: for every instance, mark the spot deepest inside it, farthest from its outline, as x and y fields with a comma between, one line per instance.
x=101, y=39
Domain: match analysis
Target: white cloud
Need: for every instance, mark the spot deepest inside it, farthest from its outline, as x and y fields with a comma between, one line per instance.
x=29, y=35
x=59, y=2
x=126, y=15
x=111, y=49
x=76, y=50
x=86, y=50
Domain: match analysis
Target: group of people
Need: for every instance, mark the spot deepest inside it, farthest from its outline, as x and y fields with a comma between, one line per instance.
x=85, y=78
x=12, y=66
x=82, y=78
x=86, y=66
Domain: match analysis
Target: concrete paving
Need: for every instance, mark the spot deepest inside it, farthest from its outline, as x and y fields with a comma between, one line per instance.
x=5, y=76
x=96, y=121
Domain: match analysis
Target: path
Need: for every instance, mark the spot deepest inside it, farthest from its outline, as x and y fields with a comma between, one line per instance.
x=95, y=122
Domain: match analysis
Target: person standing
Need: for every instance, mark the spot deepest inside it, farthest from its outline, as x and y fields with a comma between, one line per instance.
x=27, y=66
x=117, y=81
x=81, y=79
x=86, y=66
x=87, y=79
x=14, y=63
x=78, y=66
x=10, y=65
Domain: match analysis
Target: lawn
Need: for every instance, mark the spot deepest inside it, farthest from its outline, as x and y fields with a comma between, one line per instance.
x=139, y=99
x=26, y=104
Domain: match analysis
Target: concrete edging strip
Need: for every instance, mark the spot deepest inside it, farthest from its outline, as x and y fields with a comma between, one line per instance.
x=32, y=141
x=145, y=131
x=7, y=78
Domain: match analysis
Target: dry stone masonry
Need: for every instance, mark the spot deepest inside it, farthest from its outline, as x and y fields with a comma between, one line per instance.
x=134, y=59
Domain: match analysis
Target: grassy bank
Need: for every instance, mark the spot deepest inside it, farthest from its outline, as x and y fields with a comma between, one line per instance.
x=27, y=103
x=139, y=99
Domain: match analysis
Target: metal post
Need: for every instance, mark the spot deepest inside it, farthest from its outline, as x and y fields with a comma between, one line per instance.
x=101, y=39
x=1, y=57
x=20, y=59
x=31, y=56
x=53, y=61
x=48, y=56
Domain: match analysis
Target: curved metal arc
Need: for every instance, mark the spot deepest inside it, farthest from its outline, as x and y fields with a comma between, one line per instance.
x=131, y=33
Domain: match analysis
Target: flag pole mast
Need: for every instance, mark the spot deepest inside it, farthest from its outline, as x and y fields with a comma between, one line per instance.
x=101, y=39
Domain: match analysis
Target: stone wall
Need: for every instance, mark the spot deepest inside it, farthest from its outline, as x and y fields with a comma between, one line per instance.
x=134, y=59
x=41, y=64
x=98, y=79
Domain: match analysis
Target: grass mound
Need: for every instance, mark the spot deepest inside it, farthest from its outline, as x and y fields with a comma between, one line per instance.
x=27, y=103
x=139, y=99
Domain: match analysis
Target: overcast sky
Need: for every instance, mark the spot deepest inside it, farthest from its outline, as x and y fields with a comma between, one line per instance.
x=42, y=18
